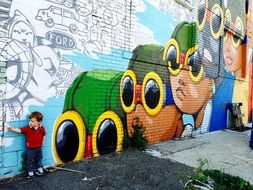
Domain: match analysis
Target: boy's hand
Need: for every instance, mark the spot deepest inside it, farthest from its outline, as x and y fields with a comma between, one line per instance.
x=8, y=128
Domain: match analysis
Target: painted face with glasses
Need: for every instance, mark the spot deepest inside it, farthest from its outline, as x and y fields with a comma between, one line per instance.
x=191, y=87
x=233, y=36
x=145, y=93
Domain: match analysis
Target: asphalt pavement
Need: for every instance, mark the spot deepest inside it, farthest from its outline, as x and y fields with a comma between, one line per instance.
x=161, y=166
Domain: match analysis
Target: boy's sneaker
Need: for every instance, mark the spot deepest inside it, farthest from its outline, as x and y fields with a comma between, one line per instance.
x=30, y=175
x=39, y=172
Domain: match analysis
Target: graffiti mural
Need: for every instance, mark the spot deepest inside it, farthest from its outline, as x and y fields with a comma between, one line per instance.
x=92, y=66
x=235, y=53
x=36, y=44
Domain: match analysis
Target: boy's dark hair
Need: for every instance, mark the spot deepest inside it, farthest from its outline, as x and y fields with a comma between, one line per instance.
x=36, y=115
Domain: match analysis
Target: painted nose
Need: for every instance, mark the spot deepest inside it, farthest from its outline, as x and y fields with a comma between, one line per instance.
x=182, y=78
x=138, y=89
x=181, y=82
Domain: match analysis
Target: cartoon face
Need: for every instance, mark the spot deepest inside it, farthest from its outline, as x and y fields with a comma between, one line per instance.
x=23, y=33
x=233, y=35
x=232, y=54
x=145, y=93
x=191, y=87
x=189, y=96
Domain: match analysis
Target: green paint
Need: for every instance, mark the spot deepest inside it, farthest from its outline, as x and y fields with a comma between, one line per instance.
x=148, y=58
x=186, y=35
x=93, y=93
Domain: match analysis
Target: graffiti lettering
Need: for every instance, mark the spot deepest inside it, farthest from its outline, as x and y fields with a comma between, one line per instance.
x=61, y=40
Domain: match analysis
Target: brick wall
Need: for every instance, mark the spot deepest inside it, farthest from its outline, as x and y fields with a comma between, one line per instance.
x=100, y=64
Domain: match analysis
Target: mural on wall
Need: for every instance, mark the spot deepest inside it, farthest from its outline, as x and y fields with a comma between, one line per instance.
x=45, y=47
x=233, y=38
x=68, y=25
x=73, y=61
x=235, y=53
x=120, y=99
x=169, y=88
x=100, y=124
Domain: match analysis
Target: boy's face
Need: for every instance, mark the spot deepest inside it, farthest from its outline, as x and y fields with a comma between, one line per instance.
x=33, y=122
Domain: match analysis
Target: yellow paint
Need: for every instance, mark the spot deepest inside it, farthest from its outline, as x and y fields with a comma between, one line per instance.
x=119, y=126
x=240, y=94
x=132, y=75
x=156, y=77
x=202, y=24
x=172, y=42
x=75, y=118
x=218, y=34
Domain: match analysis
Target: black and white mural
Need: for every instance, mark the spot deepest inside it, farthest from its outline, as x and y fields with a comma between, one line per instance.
x=34, y=41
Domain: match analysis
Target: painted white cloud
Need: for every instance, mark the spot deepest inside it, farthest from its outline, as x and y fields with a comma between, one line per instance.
x=143, y=35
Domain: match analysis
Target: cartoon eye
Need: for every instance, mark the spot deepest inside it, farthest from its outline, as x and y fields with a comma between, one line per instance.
x=195, y=67
x=69, y=137
x=67, y=141
x=238, y=34
x=201, y=13
x=152, y=93
x=236, y=41
x=107, y=137
x=228, y=19
x=108, y=133
x=127, y=90
x=172, y=58
x=239, y=27
x=216, y=21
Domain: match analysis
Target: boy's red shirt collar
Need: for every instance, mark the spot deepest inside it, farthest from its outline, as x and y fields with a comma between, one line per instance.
x=34, y=128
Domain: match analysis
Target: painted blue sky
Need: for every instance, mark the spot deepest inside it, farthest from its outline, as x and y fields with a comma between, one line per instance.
x=158, y=22
x=115, y=60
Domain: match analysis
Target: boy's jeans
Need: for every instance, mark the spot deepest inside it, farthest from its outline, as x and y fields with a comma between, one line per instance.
x=34, y=157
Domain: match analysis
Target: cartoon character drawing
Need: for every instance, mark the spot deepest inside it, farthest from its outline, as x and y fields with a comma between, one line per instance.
x=146, y=93
x=92, y=108
x=26, y=60
x=235, y=53
x=164, y=86
x=20, y=29
x=234, y=33
x=210, y=23
x=192, y=86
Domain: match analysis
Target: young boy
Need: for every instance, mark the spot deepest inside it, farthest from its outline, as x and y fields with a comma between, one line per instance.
x=35, y=136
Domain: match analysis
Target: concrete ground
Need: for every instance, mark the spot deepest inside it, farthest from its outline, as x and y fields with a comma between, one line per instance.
x=226, y=150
